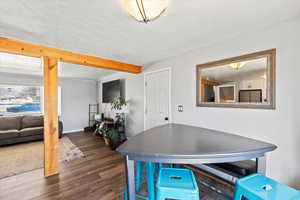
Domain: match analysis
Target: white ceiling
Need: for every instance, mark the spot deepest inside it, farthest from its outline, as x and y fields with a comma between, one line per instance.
x=17, y=64
x=77, y=71
x=102, y=28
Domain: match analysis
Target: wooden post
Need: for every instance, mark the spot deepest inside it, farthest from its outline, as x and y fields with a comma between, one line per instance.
x=51, y=57
x=51, y=141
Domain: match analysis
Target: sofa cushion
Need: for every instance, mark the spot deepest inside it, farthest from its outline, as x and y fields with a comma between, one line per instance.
x=10, y=123
x=32, y=121
x=7, y=134
x=32, y=131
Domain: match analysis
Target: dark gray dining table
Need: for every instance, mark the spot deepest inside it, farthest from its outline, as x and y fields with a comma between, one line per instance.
x=183, y=144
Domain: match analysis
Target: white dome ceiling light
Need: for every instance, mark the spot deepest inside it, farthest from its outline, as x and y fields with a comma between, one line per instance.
x=237, y=65
x=145, y=10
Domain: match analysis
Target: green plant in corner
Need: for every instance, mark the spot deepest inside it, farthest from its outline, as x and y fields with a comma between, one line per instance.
x=101, y=128
x=112, y=134
x=118, y=103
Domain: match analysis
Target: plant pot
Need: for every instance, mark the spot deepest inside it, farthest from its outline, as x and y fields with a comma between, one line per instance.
x=115, y=144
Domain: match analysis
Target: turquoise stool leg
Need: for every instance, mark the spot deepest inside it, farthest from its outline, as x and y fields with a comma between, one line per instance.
x=237, y=194
x=139, y=168
x=159, y=196
x=151, y=174
x=160, y=165
x=125, y=193
x=150, y=180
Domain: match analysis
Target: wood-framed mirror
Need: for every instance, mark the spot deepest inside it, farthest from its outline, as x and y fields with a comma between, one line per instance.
x=246, y=81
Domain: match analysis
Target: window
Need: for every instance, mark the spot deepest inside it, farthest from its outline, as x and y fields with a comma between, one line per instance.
x=20, y=99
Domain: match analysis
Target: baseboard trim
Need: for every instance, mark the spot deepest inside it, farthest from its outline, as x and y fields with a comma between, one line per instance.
x=72, y=131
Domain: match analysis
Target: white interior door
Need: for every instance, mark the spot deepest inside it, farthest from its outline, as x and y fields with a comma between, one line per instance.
x=157, y=98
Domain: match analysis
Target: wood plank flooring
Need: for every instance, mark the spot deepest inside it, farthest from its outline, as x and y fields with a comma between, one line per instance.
x=98, y=176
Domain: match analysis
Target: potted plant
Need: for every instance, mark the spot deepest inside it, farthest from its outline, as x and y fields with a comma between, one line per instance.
x=111, y=138
x=110, y=135
x=118, y=105
x=101, y=128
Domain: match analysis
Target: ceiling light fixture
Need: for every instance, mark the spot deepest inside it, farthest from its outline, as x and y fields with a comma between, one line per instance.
x=264, y=76
x=237, y=65
x=145, y=10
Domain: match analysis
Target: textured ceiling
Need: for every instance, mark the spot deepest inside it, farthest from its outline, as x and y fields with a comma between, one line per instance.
x=17, y=64
x=102, y=28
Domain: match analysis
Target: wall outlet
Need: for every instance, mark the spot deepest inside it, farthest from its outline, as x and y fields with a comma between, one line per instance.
x=180, y=108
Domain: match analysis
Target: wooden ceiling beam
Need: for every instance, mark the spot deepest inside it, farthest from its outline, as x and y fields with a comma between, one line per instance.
x=28, y=49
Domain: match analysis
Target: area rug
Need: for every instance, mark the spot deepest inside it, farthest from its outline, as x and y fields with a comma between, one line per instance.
x=21, y=158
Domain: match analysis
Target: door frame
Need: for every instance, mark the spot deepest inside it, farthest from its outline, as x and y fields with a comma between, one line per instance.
x=170, y=92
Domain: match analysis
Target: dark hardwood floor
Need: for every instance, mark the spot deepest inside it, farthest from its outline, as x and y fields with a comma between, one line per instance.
x=98, y=176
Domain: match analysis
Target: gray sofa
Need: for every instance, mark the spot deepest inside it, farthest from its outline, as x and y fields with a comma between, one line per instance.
x=19, y=129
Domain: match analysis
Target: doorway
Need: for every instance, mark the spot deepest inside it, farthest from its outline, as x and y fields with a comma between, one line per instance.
x=157, y=98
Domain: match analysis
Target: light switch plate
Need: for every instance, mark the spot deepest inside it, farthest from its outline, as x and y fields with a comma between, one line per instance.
x=180, y=108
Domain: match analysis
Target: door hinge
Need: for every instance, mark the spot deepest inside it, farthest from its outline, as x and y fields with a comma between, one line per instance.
x=145, y=83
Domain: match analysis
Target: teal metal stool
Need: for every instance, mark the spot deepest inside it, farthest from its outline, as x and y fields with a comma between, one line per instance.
x=259, y=187
x=151, y=170
x=176, y=183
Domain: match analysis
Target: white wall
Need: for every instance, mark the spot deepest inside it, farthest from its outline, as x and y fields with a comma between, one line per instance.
x=76, y=95
x=280, y=126
x=134, y=94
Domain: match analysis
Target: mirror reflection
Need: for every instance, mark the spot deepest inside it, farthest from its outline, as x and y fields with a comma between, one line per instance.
x=236, y=82
x=246, y=81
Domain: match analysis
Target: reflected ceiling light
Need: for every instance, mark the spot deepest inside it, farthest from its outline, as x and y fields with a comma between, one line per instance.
x=237, y=65
x=145, y=10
